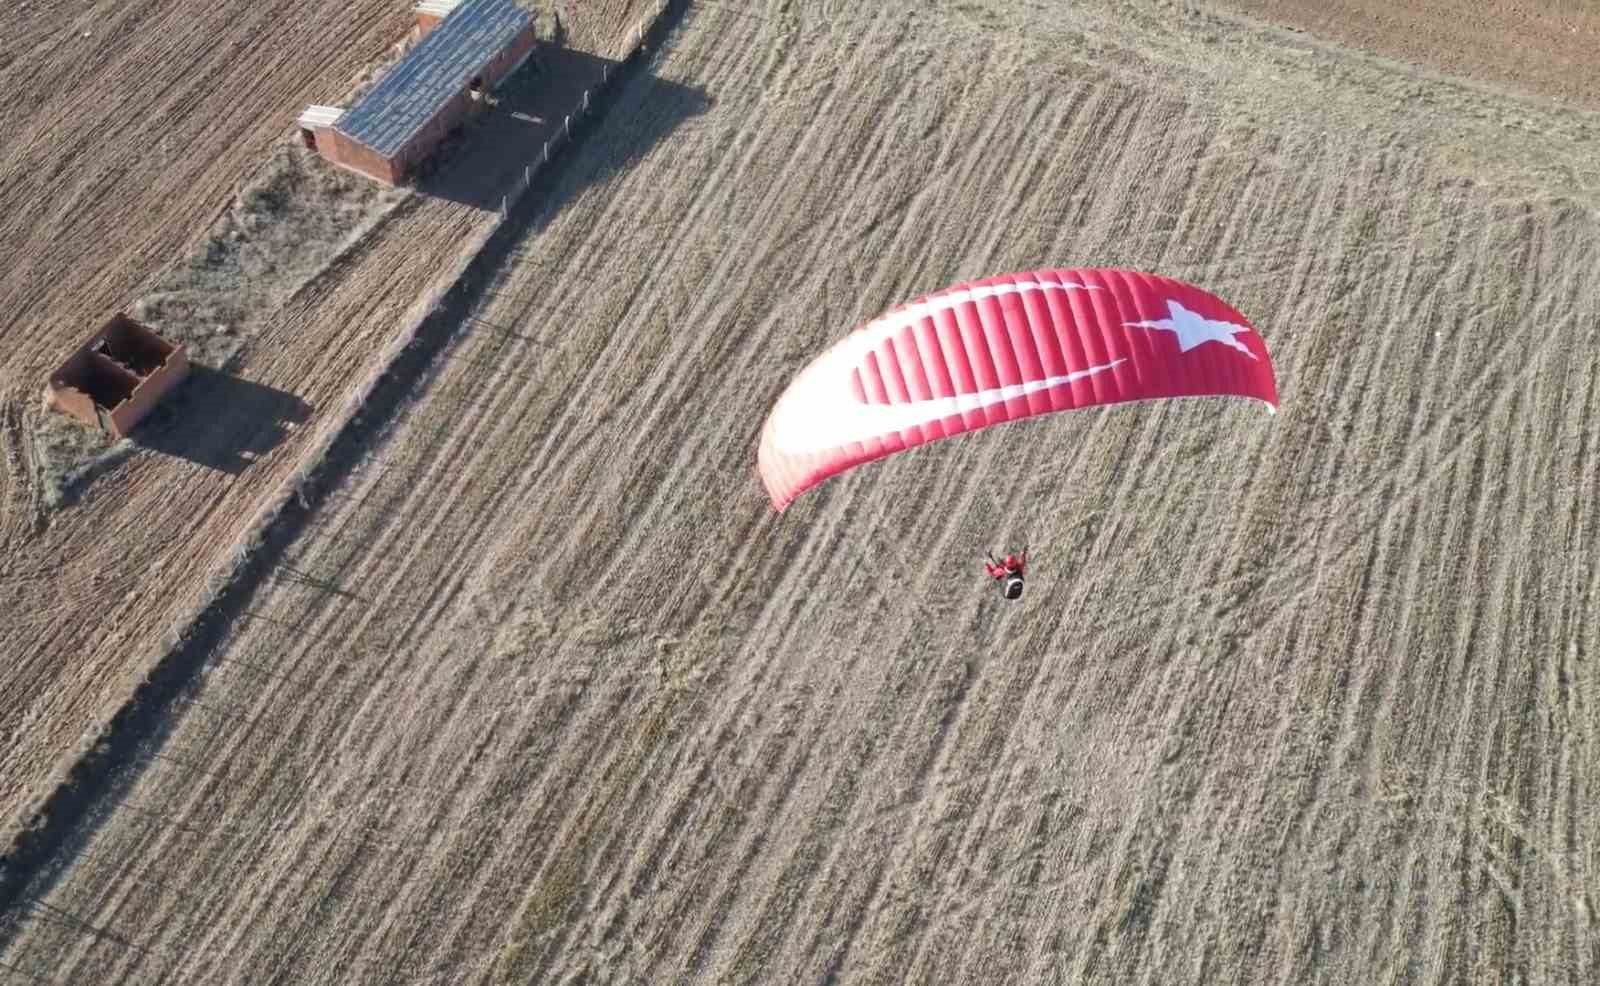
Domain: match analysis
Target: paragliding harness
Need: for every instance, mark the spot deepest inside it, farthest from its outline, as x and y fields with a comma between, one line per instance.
x=1009, y=571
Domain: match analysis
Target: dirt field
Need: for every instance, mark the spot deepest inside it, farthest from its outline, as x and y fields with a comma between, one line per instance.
x=99, y=197
x=1546, y=47
x=128, y=129
x=548, y=694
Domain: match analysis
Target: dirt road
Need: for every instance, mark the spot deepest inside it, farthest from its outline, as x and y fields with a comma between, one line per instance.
x=548, y=694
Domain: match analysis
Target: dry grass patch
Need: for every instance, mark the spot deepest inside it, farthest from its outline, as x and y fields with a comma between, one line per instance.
x=285, y=228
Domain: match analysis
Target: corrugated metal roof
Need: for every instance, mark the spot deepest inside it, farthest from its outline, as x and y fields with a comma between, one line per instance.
x=438, y=68
x=320, y=116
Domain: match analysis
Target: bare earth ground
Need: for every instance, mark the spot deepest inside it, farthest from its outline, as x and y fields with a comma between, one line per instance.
x=1297, y=699
x=127, y=129
x=120, y=149
x=1545, y=47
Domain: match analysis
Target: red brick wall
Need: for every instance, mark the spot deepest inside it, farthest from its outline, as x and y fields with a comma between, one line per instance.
x=503, y=63
x=336, y=147
x=60, y=395
x=433, y=133
x=149, y=393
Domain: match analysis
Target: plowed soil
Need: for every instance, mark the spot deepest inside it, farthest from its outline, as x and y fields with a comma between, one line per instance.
x=1543, y=49
x=547, y=693
x=129, y=128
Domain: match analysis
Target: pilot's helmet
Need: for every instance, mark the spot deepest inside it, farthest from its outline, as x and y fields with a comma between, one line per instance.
x=1014, y=587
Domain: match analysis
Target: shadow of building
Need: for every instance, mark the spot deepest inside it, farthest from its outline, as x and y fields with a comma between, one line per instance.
x=220, y=421
x=486, y=161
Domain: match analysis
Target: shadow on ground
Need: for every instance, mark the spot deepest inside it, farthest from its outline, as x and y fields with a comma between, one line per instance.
x=484, y=162
x=220, y=421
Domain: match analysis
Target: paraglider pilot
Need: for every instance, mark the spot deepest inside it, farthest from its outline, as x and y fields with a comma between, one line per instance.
x=1008, y=573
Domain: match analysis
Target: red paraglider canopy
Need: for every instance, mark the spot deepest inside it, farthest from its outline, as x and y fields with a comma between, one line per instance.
x=1000, y=349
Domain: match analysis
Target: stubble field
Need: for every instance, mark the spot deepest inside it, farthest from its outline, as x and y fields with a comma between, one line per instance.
x=547, y=693
x=122, y=146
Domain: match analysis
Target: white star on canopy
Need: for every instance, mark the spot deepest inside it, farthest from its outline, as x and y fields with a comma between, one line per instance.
x=1193, y=329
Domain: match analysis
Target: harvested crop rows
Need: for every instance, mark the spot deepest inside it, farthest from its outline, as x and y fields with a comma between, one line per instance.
x=547, y=693
x=94, y=595
x=128, y=129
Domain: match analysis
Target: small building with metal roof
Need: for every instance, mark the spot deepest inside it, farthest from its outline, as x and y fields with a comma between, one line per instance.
x=466, y=48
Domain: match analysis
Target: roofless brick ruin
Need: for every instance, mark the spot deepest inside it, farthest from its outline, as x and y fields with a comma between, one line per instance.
x=117, y=377
x=467, y=47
